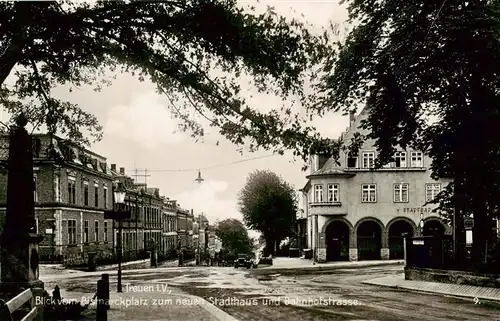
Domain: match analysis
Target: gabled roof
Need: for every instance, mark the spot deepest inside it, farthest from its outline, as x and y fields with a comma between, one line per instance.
x=331, y=167
x=355, y=127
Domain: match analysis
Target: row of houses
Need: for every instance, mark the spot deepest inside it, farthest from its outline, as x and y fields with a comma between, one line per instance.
x=352, y=211
x=73, y=187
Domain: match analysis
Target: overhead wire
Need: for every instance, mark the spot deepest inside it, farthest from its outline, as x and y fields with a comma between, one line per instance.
x=211, y=167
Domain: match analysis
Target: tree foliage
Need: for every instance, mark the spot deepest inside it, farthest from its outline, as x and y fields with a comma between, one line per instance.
x=414, y=62
x=269, y=205
x=175, y=44
x=234, y=237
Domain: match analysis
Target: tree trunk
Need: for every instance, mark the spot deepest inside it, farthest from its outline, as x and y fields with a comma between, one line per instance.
x=12, y=53
x=458, y=226
x=481, y=234
x=459, y=211
x=269, y=249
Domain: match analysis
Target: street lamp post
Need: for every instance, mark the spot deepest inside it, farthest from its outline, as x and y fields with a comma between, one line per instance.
x=119, y=215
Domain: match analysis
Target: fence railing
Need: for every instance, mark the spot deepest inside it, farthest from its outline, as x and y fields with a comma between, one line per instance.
x=436, y=252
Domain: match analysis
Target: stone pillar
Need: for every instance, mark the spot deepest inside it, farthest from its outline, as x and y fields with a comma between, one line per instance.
x=316, y=236
x=384, y=251
x=353, y=245
x=19, y=251
x=321, y=249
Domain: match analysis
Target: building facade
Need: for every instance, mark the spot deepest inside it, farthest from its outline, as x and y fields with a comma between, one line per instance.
x=355, y=212
x=169, y=226
x=73, y=188
x=182, y=230
x=189, y=230
x=202, y=232
x=133, y=228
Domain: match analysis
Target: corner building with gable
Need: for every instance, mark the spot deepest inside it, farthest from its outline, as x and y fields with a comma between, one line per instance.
x=357, y=213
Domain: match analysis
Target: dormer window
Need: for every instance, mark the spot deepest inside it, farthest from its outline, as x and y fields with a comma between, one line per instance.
x=368, y=159
x=417, y=159
x=400, y=159
x=352, y=161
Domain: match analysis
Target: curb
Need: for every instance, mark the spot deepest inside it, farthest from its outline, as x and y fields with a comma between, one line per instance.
x=210, y=308
x=436, y=292
x=54, y=278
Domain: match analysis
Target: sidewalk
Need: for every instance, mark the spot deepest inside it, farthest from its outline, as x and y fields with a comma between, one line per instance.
x=162, y=304
x=467, y=291
x=284, y=264
x=57, y=271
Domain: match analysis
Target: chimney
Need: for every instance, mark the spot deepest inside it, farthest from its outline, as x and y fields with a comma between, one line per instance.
x=351, y=118
x=113, y=167
x=122, y=170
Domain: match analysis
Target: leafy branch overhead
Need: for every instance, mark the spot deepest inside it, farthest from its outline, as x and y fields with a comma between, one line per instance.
x=175, y=44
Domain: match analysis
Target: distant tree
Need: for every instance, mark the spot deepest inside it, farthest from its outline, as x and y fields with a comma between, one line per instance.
x=234, y=237
x=175, y=44
x=269, y=205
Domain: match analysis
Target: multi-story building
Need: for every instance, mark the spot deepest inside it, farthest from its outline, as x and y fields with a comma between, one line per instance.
x=189, y=229
x=356, y=212
x=169, y=226
x=182, y=228
x=301, y=229
x=196, y=235
x=211, y=240
x=132, y=229
x=153, y=211
x=202, y=232
x=73, y=188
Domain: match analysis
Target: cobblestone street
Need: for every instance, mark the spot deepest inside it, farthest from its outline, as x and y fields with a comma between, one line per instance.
x=252, y=295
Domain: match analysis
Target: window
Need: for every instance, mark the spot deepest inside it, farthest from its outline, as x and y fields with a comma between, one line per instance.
x=417, y=159
x=431, y=191
x=71, y=231
x=368, y=159
x=85, y=193
x=318, y=193
x=400, y=159
x=35, y=193
x=333, y=192
x=352, y=161
x=105, y=231
x=105, y=196
x=401, y=193
x=71, y=190
x=96, y=195
x=368, y=193
x=96, y=231
x=85, y=231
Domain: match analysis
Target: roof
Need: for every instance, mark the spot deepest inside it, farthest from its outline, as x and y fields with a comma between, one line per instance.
x=331, y=167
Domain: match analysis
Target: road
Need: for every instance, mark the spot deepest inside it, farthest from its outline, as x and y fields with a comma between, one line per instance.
x=338, y=295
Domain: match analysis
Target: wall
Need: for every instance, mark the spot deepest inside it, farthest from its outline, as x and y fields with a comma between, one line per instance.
x=453, y=277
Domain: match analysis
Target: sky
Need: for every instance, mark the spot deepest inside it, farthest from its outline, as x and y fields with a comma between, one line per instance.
x=139, y=133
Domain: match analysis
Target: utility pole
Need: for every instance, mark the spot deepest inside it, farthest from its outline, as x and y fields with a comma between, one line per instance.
x=141, y=172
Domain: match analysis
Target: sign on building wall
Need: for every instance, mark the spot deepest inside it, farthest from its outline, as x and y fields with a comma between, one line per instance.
x=321, y=255
x=417, y=210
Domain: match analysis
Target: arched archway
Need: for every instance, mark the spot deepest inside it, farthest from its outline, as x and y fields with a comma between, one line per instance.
x=433, y=227
x=337, y=241
x=396, y=240
x=369, y=240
